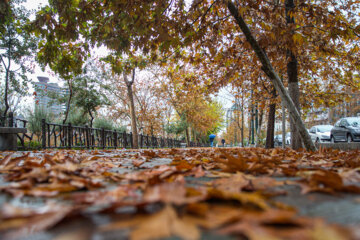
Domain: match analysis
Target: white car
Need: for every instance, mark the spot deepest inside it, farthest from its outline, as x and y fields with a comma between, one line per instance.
x=320, y=133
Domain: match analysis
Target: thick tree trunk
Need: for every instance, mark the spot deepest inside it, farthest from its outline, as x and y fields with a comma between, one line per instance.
x=292, y=72
x=272, y=75
x=271, y=124
x=132, y=108
x=294, y=93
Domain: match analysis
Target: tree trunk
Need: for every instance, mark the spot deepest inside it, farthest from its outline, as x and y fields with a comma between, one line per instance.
x=132, y=108
x=69, y=101
x=294, y=93
x=261, y=113
x=242, y=122
x=283, y=122
x=250, y=126
x=292, y=72
x=187, y=134
x=91, y=118
x=7, y=69
x=272, y=75
x=6, y=93
x=271, y=123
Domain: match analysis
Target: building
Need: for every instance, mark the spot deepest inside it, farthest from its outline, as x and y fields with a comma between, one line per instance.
x=46, y=94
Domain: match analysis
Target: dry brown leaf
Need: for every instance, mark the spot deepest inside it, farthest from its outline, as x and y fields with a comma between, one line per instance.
x=234, y=183
x=137, y=163
x=17, y=226
x=174, y=192
x=212, y=216
x=254, y=200
x=162, y=224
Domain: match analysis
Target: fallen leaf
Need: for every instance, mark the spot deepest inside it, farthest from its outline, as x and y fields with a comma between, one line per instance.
x=162, y=224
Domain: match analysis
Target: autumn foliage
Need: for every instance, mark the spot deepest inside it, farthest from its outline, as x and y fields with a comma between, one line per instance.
x=175, y=192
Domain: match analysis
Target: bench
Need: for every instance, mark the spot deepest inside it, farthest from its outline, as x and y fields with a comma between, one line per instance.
x=8, y=138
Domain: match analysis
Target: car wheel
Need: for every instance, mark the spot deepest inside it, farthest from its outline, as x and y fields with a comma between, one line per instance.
x=317, y=140
x=332, y=139
x=348, y=138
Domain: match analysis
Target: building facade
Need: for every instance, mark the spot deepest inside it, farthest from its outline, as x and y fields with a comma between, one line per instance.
x=46, y=95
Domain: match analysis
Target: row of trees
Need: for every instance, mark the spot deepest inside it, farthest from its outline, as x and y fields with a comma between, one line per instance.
x=146, y=100
x=310, y=47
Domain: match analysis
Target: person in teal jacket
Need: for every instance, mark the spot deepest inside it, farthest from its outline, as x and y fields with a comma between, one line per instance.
x=211, y=138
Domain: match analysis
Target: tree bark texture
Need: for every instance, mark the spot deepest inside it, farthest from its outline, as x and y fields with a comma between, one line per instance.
x=271, y=124
x=293, y=81
x=130, y=95
x=295, y=135
x=273, y=76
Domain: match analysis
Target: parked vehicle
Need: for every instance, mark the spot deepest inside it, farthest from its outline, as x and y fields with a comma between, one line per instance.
x=346, y=130
x=278, y=140
x=320, y=133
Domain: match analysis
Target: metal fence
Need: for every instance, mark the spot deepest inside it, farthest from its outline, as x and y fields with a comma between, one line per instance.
x=68, y=136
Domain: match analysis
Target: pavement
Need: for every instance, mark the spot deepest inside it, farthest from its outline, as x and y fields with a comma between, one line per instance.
x=342, y=209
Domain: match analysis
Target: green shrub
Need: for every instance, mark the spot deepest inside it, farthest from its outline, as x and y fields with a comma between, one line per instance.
x=31, y=145
x=120, y=129
x=77, y=117
x=102, y=122
x=35, y=118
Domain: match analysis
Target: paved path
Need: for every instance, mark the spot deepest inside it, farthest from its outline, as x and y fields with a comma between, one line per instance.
x=343, y=209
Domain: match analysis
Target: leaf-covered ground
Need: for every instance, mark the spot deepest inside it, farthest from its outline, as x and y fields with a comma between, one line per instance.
x=218, y=193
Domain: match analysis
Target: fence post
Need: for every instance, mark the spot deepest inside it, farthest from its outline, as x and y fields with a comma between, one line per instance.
x=131, y=140
x=48, y=135
x=115, y=139
x=43, y=133
x=103, y=140
x=87, y=140
x=69, y=136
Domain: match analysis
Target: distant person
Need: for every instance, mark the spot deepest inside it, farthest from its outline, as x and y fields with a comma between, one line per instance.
x=223, y=142
x=211, y=138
